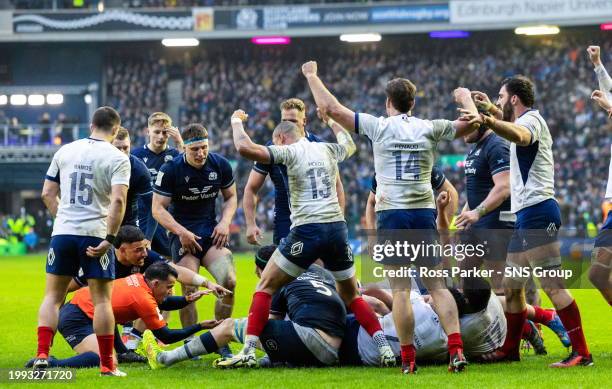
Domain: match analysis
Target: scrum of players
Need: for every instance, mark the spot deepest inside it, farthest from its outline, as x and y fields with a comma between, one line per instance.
x=129, y=224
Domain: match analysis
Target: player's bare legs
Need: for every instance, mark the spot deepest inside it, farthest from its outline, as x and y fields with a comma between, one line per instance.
x=189, y=314
x=445, y=306
x=403, y=318
x=220, y=263
x=56, y=288
x=599, y=273
x=103, y=321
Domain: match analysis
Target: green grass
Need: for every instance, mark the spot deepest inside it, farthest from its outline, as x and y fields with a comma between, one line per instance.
x=22, y=288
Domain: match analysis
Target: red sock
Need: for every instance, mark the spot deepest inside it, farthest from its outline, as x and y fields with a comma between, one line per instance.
x=105, y=344
x=258, y=313
x=45, y=338
x=408, y=353
x=365, y=316
x=542, y=315
x=454, y=343
x=526, y=329
x=515, y=323
x=570, y=317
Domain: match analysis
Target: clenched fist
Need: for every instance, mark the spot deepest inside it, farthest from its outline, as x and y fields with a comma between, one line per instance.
x=309, y=68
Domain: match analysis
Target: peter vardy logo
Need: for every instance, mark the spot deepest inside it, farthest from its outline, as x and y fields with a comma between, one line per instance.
x=197, y=191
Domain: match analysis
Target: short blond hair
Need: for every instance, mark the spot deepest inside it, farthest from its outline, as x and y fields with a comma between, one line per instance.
x=293, y=103
x=159, y=118
x=122, y=134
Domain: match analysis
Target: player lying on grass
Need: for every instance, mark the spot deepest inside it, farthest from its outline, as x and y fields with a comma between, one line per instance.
x=135, y=297
x=318, y=228
x=310, y=337
x=133, y=256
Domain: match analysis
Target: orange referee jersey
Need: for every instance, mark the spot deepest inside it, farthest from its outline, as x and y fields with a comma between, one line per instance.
x=132, y=299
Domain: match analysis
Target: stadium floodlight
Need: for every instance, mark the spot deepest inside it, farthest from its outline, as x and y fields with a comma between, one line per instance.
x=88, y=99
x=449, y=34
x=356, y=38
x=606, y=27
x=180, y=42
x=537, y=30
x=55, y=99
x=3, y=99
x=18, y=99
x=271, y=40
x=36, y=100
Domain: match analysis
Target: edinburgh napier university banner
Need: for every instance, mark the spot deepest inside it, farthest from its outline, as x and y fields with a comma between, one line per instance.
x=112, y=20
x=495, y=11
x=284, y=17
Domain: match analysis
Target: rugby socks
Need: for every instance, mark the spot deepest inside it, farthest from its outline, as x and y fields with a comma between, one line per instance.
x=570, y=317
x=204, y=344
x=45, y=338
x=408, y=353
x=542, y=315
x=454, y=343
x=514, y=332
x=105, y=344
x=85, y=360
x=526, y=329
x=118, y=343
x=134, y=339
x=365, y=316
x=258, y=318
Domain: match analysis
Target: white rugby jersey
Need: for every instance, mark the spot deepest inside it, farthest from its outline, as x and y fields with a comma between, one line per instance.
x=605, y=85
x=404, y=148
x=429, y=337
x=532, y=167
x=484, y=331
x=86, y=169
x=312, y=170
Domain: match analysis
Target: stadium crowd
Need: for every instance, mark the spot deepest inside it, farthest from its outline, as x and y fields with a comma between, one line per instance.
x=230, y=75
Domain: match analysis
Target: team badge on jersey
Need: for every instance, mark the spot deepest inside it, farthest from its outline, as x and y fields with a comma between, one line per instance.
x=187, y=179
x=271, y=344
x=145, y=159
x=51, y=257
x=168, y=158
x=212, y=176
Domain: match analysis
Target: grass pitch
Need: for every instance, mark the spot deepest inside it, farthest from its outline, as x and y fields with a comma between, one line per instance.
x=22, y=289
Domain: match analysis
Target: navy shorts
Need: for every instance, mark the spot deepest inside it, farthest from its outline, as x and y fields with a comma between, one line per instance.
x=281, y=230
x=177, y=249
x=283, y=345
x=493, y=234
x=74, y=324
x=604, y=238
x=349, y=349
x=161, y=242
x=393, y=226
x=309, y=242
x=536, y=226
x=68, y=253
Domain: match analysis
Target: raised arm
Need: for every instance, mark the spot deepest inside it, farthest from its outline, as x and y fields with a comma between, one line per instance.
x=512, y=132
x=604, y=79
x=463, y=98
x=245, y=146
x=325, y=100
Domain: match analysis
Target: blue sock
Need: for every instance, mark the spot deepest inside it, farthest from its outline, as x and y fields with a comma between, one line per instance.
x=88, y=359
x=136, y=333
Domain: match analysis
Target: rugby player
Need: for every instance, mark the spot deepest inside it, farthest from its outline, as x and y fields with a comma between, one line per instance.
x=154, y=154
x=404, y=149
x=134, y=297
x=140, y=179
x=538, y=218
x=185, y=193
x=311, y=335
x=91, y=178
x=292, y=110
x=599, y=274
x=318, y=228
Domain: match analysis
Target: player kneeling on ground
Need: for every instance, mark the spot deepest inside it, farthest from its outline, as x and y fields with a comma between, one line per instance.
x=311, y=336
x=133, y=297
